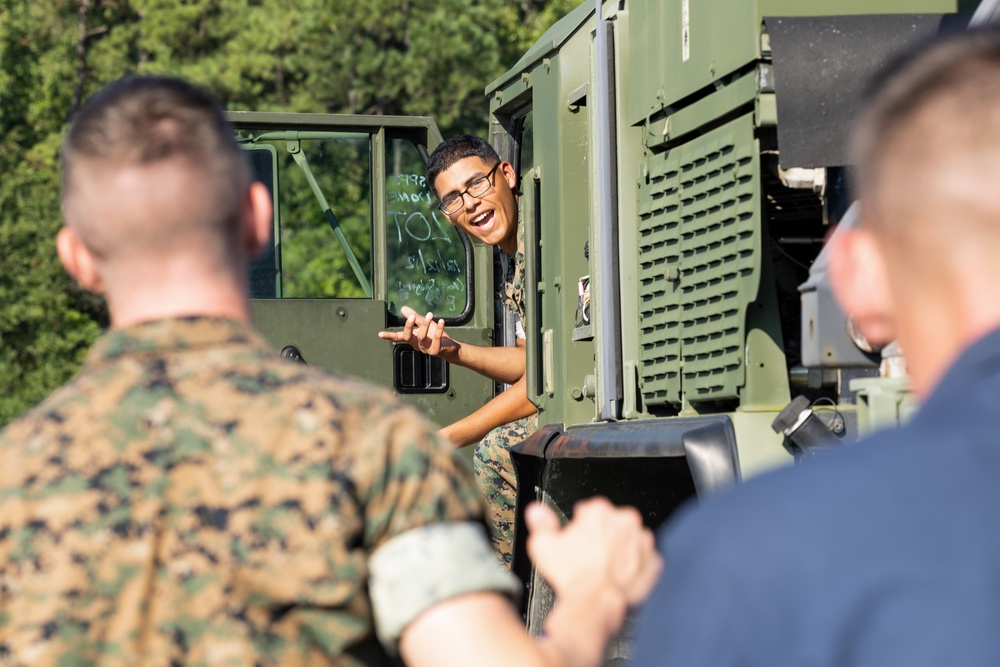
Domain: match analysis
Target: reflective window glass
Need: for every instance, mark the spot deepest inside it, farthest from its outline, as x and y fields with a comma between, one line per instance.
x=427, y=258
x=323, y=214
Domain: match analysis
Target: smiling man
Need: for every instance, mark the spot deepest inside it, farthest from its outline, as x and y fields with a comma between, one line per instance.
x=477, y=193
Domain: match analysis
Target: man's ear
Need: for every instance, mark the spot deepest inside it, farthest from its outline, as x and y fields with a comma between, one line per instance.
x=78, y=261
x=860, y=282
x=507, y=169
x=258, y=218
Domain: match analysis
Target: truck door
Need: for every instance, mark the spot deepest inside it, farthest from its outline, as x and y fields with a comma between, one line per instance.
x=357, y=236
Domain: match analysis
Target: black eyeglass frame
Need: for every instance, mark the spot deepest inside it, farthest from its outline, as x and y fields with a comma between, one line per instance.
x=460, y=196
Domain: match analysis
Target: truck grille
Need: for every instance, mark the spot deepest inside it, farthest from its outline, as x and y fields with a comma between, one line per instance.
x=699, y=249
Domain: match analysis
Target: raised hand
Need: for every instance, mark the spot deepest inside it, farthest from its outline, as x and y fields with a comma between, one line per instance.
x=424, y=334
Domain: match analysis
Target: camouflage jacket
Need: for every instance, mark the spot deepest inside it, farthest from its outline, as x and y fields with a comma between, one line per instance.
x=191, y=499
x=512, y=295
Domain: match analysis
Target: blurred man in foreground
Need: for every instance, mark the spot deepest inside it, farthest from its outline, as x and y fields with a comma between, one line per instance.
x=886, y=552
x=190, y=499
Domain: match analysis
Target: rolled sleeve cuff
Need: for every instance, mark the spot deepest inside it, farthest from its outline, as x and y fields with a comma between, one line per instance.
x=519, y=330
x=421, y=567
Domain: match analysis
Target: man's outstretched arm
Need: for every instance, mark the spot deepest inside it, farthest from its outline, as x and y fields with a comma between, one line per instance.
x=598, y=565
x=425, y=334
x=510, y=405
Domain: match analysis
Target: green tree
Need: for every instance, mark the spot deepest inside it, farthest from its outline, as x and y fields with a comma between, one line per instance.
x=46, y=323
x=427, y=57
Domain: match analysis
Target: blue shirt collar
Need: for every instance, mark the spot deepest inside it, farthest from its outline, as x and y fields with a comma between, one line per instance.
x=977, y=362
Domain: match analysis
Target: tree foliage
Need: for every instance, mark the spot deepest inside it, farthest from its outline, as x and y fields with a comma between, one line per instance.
x=426, y=57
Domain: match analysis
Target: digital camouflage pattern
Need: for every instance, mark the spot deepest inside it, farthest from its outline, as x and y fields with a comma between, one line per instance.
x=512, y=295
x=491, y=460
x=495, y=476
x=191, y=499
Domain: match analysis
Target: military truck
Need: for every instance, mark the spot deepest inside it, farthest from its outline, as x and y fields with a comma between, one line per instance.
x=681, y=163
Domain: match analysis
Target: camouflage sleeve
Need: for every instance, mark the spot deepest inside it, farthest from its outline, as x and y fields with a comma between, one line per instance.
x=423, y=520
x=409, y=477
x=420, y=568
x=507, y=295
x=512, y=294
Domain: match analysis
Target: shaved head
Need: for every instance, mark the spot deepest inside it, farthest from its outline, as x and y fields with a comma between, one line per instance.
x=925, y=263
x=151, y=168
x=927, y=148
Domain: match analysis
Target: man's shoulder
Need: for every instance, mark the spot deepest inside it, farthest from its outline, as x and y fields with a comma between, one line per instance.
x=45, y=414
x=796, y=509
x=258, y=370
x=832, y=514
x=250, y=390
x=356, y=395
x=881, y=527
x=310, y=405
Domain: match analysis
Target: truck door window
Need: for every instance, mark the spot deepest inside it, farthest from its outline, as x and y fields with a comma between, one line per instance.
x=427, y=258
x=525, y=137
x=324, y=214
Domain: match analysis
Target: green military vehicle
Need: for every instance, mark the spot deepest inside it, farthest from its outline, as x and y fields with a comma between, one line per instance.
x=681, y=163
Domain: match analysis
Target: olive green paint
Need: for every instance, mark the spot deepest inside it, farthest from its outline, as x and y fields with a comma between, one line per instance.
x=671, y=115
x=342, y=334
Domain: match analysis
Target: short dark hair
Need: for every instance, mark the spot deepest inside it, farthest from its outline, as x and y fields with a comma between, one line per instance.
x=455, y=149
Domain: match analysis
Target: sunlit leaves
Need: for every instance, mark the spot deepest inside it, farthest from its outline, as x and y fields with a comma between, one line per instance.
x=427, y=57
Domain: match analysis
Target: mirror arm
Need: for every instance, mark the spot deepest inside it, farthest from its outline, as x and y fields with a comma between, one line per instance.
x=300, y=160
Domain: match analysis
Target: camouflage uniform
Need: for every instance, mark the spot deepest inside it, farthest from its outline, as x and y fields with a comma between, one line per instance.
x=191, y=499
x=491, y=462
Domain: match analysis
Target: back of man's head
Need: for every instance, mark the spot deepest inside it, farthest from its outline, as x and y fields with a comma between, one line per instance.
x=458, y=148
x=927, y=148
x=923, y=265
x=151, y=166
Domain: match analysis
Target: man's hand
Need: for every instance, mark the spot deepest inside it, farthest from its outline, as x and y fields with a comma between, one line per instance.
x=603, y=546
x=599, y=564
x=425, y=335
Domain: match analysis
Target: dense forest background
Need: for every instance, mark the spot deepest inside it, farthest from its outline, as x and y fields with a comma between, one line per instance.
x=427, y=57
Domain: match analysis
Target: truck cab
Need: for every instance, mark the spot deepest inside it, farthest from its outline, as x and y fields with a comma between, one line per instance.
x=357, y=236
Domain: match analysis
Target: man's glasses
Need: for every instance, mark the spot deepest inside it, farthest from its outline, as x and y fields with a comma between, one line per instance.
x=477, y=188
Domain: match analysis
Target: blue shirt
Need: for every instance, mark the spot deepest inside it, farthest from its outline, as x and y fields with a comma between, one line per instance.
x=885, y=553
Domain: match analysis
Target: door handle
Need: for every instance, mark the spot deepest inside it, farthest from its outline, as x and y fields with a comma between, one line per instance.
x=414, y=372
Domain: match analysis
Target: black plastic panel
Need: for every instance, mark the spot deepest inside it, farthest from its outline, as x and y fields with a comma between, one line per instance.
x=822, y=67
